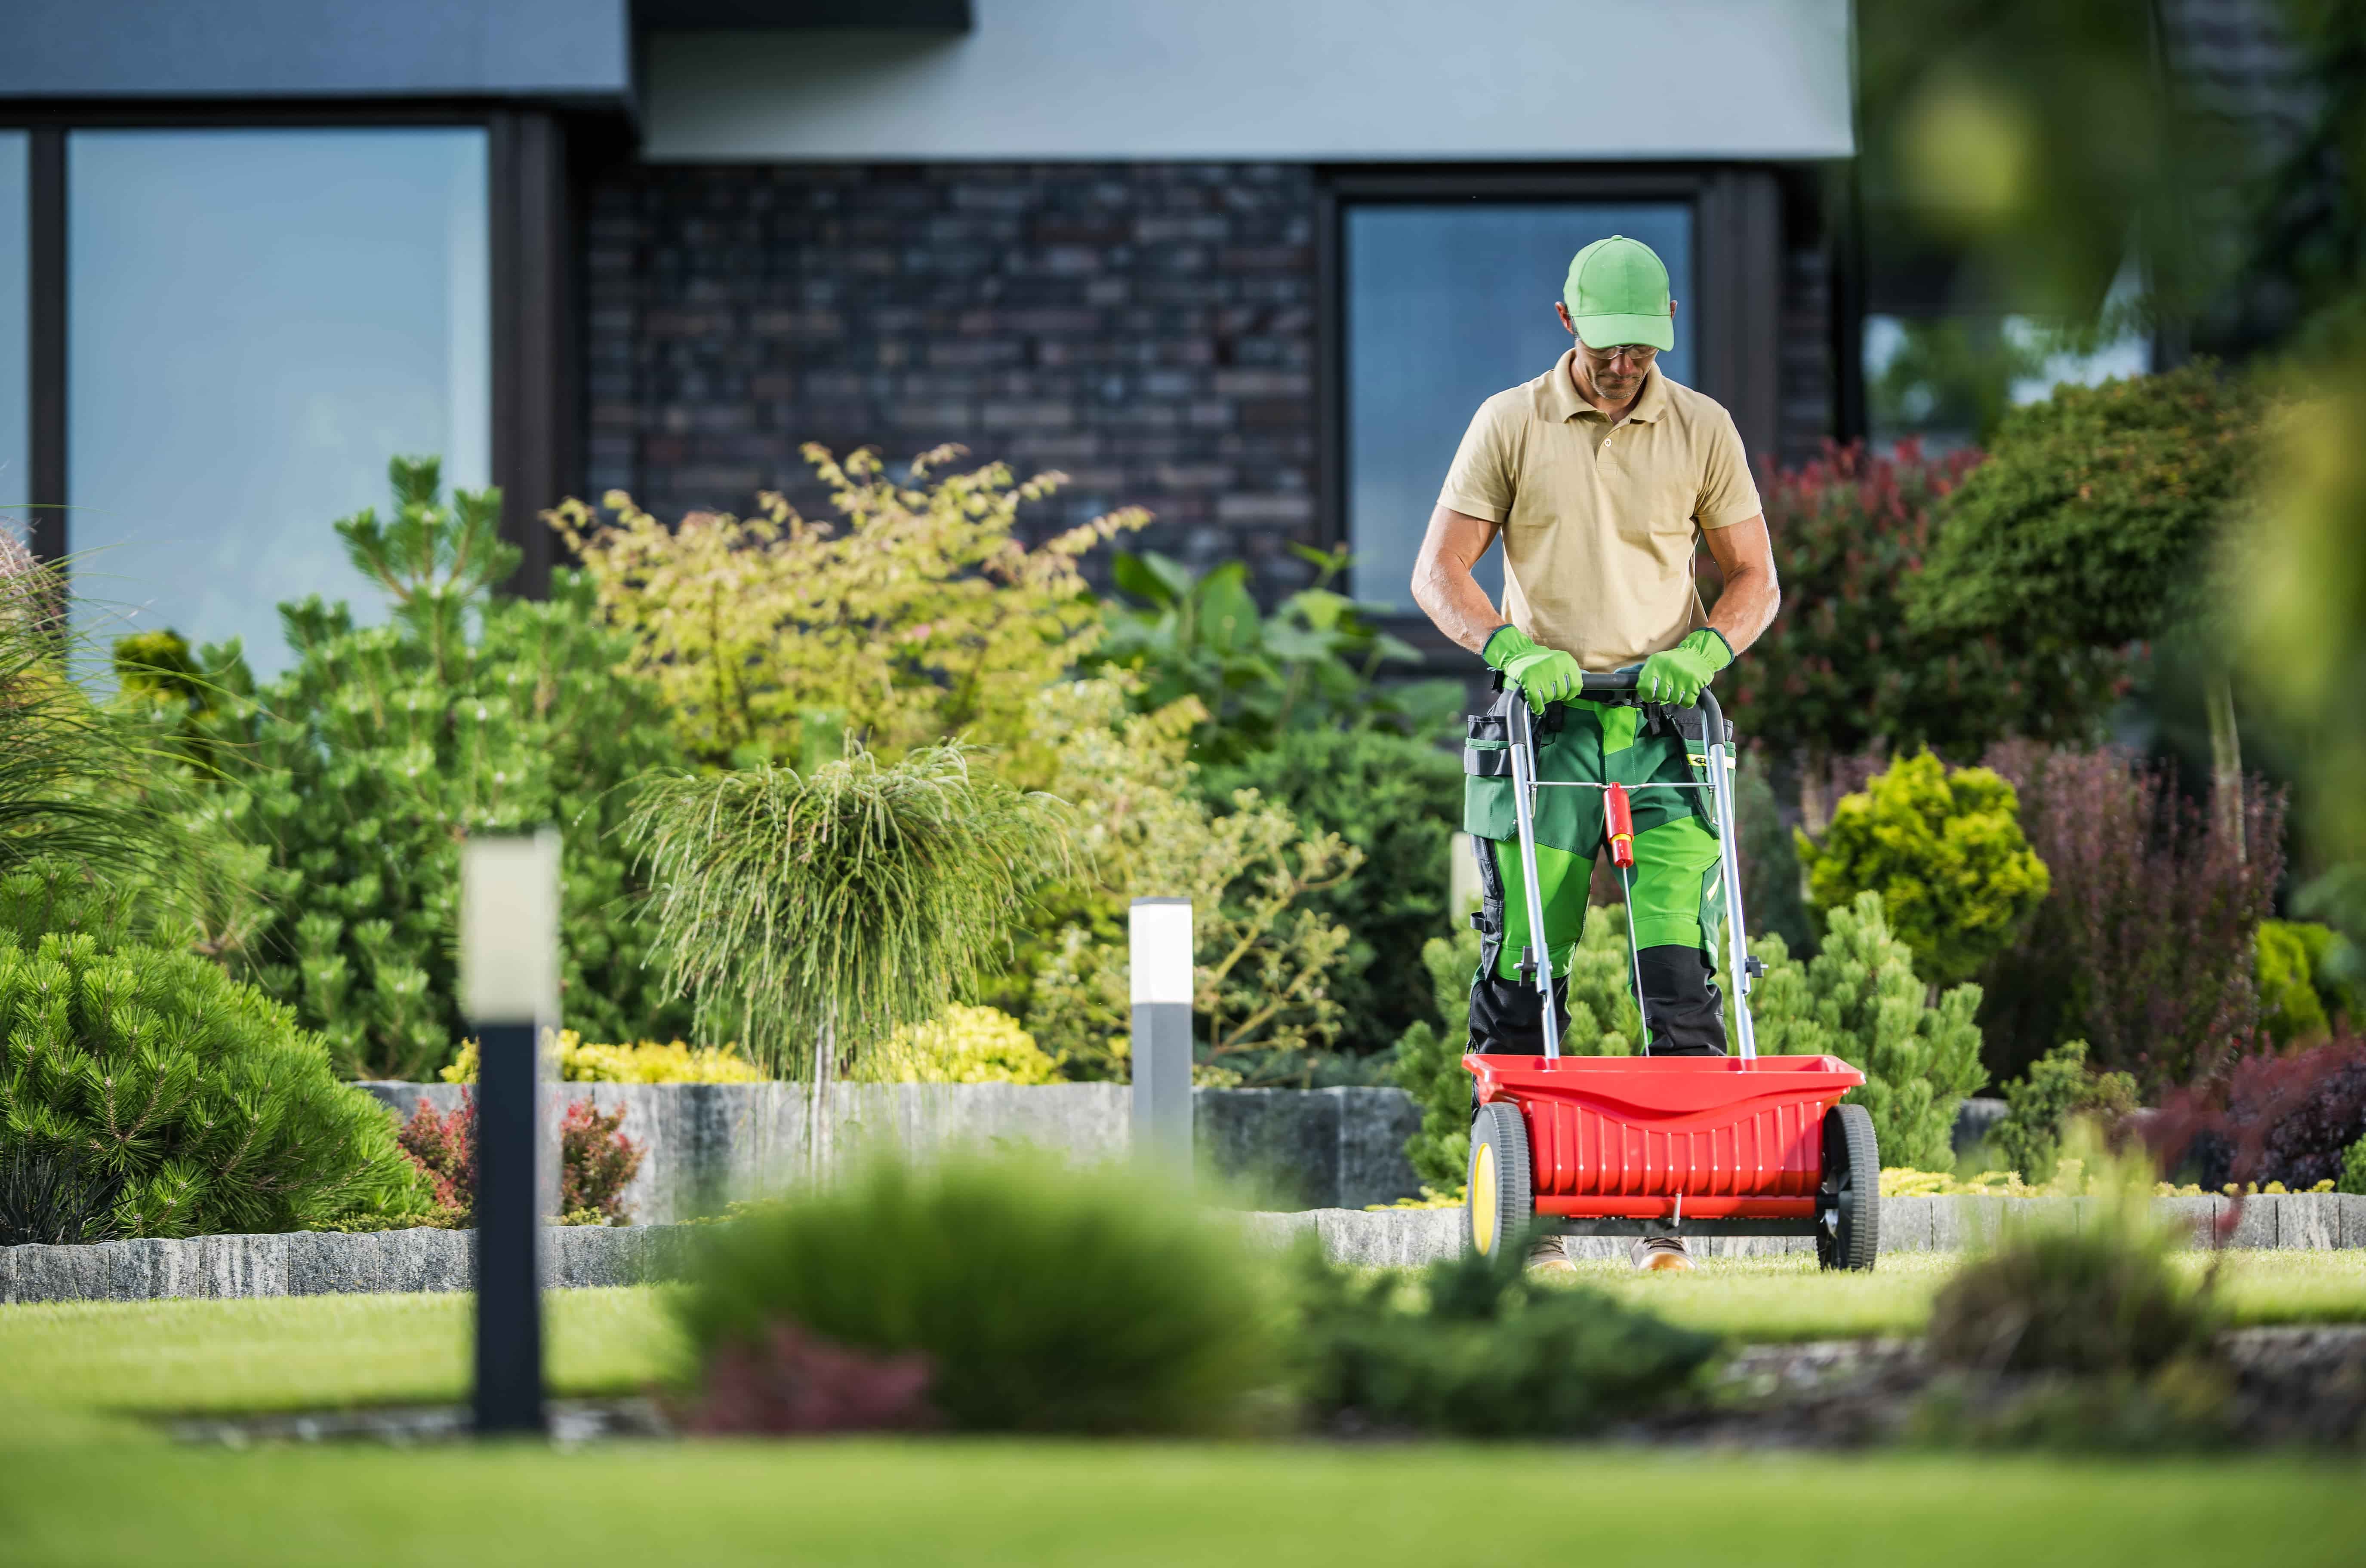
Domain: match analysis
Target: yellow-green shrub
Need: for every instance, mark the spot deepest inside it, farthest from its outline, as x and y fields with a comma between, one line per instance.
x=967, y=1045
x=1944, y=850
x=579, y=1061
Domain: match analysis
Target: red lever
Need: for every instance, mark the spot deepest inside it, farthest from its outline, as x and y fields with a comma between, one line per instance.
x=1620, y=826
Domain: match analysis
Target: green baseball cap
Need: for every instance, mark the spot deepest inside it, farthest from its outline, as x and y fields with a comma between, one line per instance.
x=1618, y=292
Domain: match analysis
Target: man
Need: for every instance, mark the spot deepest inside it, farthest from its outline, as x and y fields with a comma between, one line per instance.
x=1601, y=476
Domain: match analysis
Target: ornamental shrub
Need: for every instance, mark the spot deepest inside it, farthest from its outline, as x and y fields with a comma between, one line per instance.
x=360, y=771
x=1398, y=799
x=2041, y=1106
x=916, y=615
x=1483, y=1350
x=2305, y=980
x=150, y=1094
x=2353, y=1168
x=1944, y=850
x=580, y=1061
x=965, y=1045
x=1859, y=999
x=2257, y=1119
x=1041, y=1298
x=1841, y=672
x=2092, y=522
x=596, y=1161
x=2145, y=945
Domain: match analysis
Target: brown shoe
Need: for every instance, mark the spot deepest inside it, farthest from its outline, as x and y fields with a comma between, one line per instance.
x=1660, y=1252
x=1548, y=1256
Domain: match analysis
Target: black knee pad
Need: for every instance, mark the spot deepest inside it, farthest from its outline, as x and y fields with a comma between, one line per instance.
x=1681, y=1002
x=1507, y=1018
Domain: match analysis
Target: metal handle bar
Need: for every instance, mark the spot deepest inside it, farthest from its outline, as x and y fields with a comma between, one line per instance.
x=1525, y=784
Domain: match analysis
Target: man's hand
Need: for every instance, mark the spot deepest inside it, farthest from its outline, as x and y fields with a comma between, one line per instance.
x=1544, y=675
x=1679, y=675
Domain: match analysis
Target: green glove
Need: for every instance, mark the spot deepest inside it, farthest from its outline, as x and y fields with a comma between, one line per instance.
x=1679, y=675
x=1544, y=675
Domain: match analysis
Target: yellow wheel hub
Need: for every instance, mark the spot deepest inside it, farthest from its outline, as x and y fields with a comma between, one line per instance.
x=1482, y=1200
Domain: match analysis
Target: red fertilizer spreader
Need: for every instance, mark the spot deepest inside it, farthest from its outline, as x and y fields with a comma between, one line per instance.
x=1741, y=1145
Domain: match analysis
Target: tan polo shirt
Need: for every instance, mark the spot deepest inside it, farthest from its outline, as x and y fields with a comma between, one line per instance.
x=1599, y=521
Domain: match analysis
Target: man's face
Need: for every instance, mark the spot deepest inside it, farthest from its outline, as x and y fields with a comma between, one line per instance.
x=1616, y=372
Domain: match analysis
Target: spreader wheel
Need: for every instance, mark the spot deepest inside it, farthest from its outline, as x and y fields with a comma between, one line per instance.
x=1500, y=1201
x=1848, y=1200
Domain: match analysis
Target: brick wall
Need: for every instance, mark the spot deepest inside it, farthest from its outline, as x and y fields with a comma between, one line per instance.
x=1147, y=329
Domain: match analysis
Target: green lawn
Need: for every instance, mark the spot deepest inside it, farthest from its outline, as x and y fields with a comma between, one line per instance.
x=82, y=1484
x=1790, y=1298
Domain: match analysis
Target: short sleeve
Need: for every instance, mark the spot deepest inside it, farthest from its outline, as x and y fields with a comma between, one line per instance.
x=1479, y=484
x=1727, y=494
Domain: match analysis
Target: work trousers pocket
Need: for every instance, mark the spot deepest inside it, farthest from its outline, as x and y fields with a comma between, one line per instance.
x=1487, y=776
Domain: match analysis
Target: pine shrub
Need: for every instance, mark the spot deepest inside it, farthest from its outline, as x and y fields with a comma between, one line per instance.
x=2041, y=1104
x=162, y=1098
x=1859, y=999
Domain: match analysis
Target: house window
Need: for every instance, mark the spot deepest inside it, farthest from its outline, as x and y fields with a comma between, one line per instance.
x=256, y=319
x=15, y=253
x=1445, y=305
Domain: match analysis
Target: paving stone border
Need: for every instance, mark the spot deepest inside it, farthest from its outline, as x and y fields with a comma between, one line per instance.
x=316, y=1263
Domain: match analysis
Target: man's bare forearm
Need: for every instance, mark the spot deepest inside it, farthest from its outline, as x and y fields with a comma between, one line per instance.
x=1442, y=583
x=1746, y=608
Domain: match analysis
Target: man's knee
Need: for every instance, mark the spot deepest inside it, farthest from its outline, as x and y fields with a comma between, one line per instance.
x=1685, y=1007
x=1507, y=1019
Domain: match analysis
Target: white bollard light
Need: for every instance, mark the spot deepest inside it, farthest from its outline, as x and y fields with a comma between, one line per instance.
x=1158, y=933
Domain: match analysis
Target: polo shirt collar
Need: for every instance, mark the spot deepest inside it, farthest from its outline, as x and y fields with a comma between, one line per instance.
x=1557, y=401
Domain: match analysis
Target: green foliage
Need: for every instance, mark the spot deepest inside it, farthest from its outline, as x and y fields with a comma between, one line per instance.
x=1395, y=798
x=2093, y=521
x=1487, y=1352
x=1772, y=895
x=1311, y=663
x=1046, y=1299
x=2306, y=980
x=2353, y=1168
x=2099, y=1296
x=1261, y=999
x=811, y=915
x=1841, y=672
x=2041, y=1106
x=1858, y=998
x=359, y=772
x=185, y=1102
x=966, y=1044
x=914, y=616
x=76, y=786
x=1952, y=375
x=1945, y=852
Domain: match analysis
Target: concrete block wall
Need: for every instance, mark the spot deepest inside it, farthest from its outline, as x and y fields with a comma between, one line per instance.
x=706, y=1145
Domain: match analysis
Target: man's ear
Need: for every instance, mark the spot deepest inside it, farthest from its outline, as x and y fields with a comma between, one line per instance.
x=1671, y=309
x=1560, y=308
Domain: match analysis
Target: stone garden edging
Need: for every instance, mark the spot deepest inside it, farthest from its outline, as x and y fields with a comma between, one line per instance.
x=322, y=1263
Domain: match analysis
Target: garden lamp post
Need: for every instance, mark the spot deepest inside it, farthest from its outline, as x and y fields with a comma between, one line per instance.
x=1158, y=933
x=509, y=988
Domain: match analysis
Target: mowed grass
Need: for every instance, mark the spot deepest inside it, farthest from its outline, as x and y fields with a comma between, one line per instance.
x=311, y=1352
x=1788, y=1298
x=1068, y=1505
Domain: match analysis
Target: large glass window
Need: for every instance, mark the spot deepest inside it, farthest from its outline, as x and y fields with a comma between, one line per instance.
x=1447, y=305
x=15, y=255
x=257, y=320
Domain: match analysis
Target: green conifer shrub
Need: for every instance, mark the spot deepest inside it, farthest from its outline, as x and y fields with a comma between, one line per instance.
x=174, y=1099
x=2040, y=1107
x=1944, y=850
x=363, y=767
x=1859, y=999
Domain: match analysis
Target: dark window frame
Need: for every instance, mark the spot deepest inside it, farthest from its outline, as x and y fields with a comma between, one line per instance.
x=536, y=441
x=1737, y=280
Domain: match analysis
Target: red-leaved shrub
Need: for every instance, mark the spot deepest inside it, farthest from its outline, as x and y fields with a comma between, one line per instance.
x=596, y=1160
x=2267, y=1118
x=2144, y=947
x=798, y=1382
